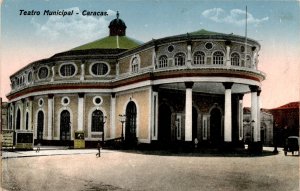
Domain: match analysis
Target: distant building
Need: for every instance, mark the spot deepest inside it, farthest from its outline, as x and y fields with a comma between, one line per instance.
x=170, y=90
x=286, y=121
x=266, y=126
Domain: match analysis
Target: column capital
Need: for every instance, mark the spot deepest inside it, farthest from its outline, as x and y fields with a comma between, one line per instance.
x=258, y=91
x=240, y=96
x=253, y=88
x=227, y=85
x=189, y=85
x=155, y=88
x=80, y=95
x=50, y=96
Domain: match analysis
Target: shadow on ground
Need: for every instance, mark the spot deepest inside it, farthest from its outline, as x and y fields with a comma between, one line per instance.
x=200, y=153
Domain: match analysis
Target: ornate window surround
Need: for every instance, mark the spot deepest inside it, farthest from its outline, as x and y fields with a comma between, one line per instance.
x=177, y=59
x=162, y=61
x=218, y=59
x=64, y=64
x=200, y=61
x=135, y=67
x=235, y=59
x=97, y=62
x=48, y=69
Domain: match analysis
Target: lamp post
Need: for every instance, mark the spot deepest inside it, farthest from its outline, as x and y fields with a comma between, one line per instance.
x=122, y=119
x=103, y=122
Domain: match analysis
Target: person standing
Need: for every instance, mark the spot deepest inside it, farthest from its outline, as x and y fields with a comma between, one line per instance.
x=98, y=148
x=38, y=147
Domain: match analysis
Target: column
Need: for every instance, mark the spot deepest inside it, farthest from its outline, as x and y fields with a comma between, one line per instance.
x=53, y=73
x=154, y=112
x=189, y=54
x=50, y=116
x=228, y=43
x=254, y=50
x=241, y=117
x=80, y=111
x=154, y=56
x=82, y=72
x=113, y=115
x=30, y=127
x=228, y=113
x=228, y=55
x=188, y=111
x=254, y=112
x=258, y=114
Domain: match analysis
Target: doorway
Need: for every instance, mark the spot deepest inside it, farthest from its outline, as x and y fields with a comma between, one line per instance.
x=215, y=126
x=164, y=124
x=130, y=128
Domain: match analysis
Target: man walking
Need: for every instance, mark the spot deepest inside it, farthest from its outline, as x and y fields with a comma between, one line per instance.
x=99, y=148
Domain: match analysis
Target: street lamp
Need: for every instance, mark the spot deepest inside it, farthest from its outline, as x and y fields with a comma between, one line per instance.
x=122, y=119
x=103, y=122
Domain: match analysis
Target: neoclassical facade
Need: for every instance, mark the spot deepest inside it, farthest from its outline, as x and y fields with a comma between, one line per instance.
x=173, y=89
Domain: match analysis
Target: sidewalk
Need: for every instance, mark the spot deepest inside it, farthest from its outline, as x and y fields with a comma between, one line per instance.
x=48, y=151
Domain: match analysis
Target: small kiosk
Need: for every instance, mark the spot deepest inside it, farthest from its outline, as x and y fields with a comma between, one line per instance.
x=79, y=142
x=24, y=140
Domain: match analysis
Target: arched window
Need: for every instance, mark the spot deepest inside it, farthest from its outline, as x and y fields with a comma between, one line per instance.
x=27, y=121
x=29, y=77
x=248, y=61
x=40, y=125
x=18, y=124
x=163, y=61
x=235, y=59
x=199, y=58
x=65, y=125
x=135, y=65
x=97, y=121
x=218, y=58
x=99, y=69
x=179, y=59
x=67, y=70
x=131, y=114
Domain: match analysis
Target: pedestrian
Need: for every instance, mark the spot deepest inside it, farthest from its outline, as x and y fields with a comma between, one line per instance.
x=38, y=147
x=196, y=143
x=99, y=148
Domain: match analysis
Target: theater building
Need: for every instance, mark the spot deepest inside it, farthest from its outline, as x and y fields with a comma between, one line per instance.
x=173, y=89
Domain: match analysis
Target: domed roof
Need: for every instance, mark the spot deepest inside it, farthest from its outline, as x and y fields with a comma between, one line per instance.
x=111, y=42
x=117, y=22
x=117, y=38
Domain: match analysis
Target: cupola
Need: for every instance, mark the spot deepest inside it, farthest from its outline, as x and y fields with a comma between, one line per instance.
x=117, y=27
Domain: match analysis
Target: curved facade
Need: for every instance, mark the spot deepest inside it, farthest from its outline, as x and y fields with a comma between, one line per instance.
x=173, y=89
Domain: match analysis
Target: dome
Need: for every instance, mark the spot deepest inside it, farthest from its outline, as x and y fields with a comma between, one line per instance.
x=117, y=27
x=111, y=42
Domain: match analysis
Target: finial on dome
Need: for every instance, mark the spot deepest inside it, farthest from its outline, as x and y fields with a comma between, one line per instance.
x=118, y=14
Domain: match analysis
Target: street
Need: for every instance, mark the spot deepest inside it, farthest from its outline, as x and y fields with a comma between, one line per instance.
x=71, y=169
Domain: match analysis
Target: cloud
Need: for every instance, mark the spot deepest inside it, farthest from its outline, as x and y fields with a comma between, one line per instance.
x=77, y=26
x=235, y=16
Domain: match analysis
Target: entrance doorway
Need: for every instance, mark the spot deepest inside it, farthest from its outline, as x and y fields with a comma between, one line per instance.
x=164, y=124
x=40, y=126
x=130, y=128
x=65, y=126
x=215, y=126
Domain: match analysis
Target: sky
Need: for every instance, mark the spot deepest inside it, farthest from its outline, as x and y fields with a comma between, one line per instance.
x=274, y=24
